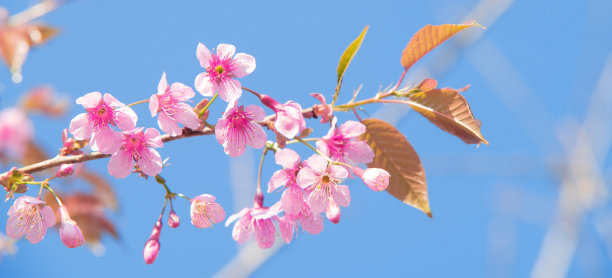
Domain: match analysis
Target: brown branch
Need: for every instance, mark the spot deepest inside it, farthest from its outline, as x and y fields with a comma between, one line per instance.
x=59, y=160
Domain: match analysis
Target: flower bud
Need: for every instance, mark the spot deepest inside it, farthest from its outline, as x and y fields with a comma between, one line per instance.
x=173, y=220
x=375, y=178
x=151, y=248
x=70, y=233
x=333, y=213
x=65, y=170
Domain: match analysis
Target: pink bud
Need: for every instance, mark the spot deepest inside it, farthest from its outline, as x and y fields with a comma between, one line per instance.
x=375, y=178
x=333, y=213
x=65, y=170
x=173, y=220
x=70, y=233
x=151, y=248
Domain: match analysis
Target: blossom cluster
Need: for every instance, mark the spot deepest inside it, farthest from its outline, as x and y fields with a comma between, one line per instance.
x=310, y=190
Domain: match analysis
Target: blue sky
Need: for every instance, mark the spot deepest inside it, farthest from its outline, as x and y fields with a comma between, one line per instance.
x=531, y=73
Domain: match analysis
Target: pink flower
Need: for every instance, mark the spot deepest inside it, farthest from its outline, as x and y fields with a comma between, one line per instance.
x=292, y=198
x=375, y=178
x=239, y=127
x=31, y=217
x=16, y=130
x=169, y=103
x=221, y=69
x=289, y=223
x=151, y=248
x=256, y=221
x=101, y=112
x=65, y=170
x=289, y=118
x=173, y=220
x=70, y=233
x=136, y=146
x=323, y=110
x=344, y=145
x=205, y=211
x=321, y=179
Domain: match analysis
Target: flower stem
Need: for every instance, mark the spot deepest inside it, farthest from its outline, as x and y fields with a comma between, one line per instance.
x=252, y=92
x=263, y=155
x=200, y=113
x=59, y=202
x=313, y=148
x=138, y=102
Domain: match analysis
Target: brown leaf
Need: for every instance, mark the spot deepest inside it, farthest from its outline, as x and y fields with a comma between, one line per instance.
x=449, y=110
x=395, y=154
x=43, y=99
x=428, y=38
x=33, y=154
x=101, y=187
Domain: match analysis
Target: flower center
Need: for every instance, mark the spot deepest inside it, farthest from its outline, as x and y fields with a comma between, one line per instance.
x=325, y=179
x=219, y=69
x=101, y=116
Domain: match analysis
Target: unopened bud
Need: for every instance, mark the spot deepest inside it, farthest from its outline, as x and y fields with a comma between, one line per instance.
x=65, y=170
x=333, y=213
x=70, y=233
x=151, y=248
x=375, y=178
x=173, y=220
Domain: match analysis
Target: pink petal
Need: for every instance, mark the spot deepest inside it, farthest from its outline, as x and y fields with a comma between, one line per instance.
x=89, y=100
x=48, y=217
x=181, y=91
x=243, y=229
x=339, y=172
x=126, y=118
x=226, y=50
x=244, y=63
x=359, y=151
x=286, y=125
x=352, y=129
x=120, y=165
x=204, y=55
x=229, y=90
x=151, y=164
x=341, y=195
x=234, y=216
x=287, y=227
x=258, y=114
x=37, y=231
x=287, y=158
x=306, y=177
x=317, y=163
x=15, y=226
x=278, y=179
x=218, y=213
x=204, y=86
x=221, y=130
x=106, y=141
x=110, y=100
x=80, y=127
x=153, y=105
x=292, y=200
x=322, y=147
x=162, y=85
x=168, y=125
x=188, y=118
x=312, y=224
x=153, y=138
x=264, y=233
x=204, y=198
x=257, y=139
x=318, y=200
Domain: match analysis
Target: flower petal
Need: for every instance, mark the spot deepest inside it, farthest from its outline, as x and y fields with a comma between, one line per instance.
x=229, y=90
x=278, y=179
x=120, y=165
x=318, y=200
x=204, y=55
x=306, y=177
x=257, y=136
x=339, y=172
x=80, y=127
x=90, y=100
x=48, y=217
x=153, y=105
x=341, y=195
x=257, y=113
x=225, y=50
x=317, y=162
x=235, y=216
x=287, y=158
x=264, y=233
x=244, y=63
x=151, y=164
x=110, y=100
x=126, y=118
x=359, y=151
x=204, y=86
x=162, y=85
x=352, y=129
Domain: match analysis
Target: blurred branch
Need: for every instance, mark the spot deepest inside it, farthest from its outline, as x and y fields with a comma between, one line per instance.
x=34, y=12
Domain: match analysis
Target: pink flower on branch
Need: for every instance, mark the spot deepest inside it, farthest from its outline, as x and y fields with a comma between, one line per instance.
x=256, y=221
x=292, y=199
x=169, y=102
x=70, y=233
x=343, y=144
x=321, y=179
x=221, y=69
x=31, y=217
x=205, y=211
x=289, y=118
x=323, y=110
x=102, y=114
x=239, y=127
x=375, y=178
x=136, y=146
x=289, y=223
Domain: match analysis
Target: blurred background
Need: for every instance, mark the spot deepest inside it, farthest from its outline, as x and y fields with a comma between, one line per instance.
x=534, y=202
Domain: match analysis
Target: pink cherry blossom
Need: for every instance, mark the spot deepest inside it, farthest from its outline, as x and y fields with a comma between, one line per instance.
x=16, y=130
x=375, y=178
x=239, y=127
x=321, y=179
x=65, y=170
x=102, y=114
x=31, y=217
x=70, y=233
x=289, y=118
x=151, y=248
x=292, y=198
x=221, y=69
x=310, y=222
x=323, y=110
x=205, y=211
x=343, y=144
x=169, y=102
x=173, y=219
x=136, y=146
x=256, y=221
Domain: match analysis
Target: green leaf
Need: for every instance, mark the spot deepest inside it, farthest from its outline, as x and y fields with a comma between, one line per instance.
x=346, y=59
